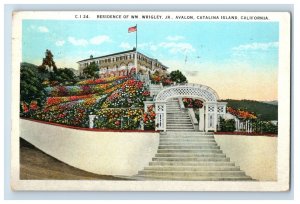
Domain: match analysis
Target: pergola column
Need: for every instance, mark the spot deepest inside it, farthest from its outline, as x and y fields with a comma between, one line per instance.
x=201, y=119
x=211, y=119
x=161, y=116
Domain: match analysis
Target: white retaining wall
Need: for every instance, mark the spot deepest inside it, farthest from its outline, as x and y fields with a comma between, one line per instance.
x=106, y=153
x=256, y=155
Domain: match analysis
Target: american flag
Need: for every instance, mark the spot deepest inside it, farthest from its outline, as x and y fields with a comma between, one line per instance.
x=132, y=29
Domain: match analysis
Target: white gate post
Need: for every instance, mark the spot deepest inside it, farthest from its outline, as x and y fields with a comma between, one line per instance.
x=91, y=121
x=161, y=116
x=201, y=119
x=211, y=116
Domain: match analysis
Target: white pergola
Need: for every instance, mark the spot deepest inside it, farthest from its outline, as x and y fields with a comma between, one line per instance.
x=208, y=115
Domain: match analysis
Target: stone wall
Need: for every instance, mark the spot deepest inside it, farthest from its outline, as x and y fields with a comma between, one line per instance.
x=106, y=153
x=256, y=155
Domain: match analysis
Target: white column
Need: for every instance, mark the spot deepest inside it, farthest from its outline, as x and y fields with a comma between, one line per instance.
x=201, y=119
x=91, y=121
x=215, y=117
x=206, y=117
x=160, y=119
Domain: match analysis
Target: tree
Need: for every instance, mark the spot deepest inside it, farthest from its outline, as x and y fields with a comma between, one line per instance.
x=91, y=71
x=48, y=62
x=31, y=85
x=178, y=77
x=65, y=76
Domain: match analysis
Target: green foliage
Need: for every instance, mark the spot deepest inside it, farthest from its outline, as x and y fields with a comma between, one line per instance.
x=31, y=87
x=265, y=127
x=48, y=62
x=227, y=125
x=63, y=76
x=91, y=70
x=263, y=111
x=178, y=77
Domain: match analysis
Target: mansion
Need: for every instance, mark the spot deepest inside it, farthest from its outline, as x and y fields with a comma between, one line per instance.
x=123, y=63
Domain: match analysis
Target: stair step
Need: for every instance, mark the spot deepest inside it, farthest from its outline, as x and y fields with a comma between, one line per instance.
x=193, y=178
x=180, y=126
x=194, y=173
x=190, y=155
x=189, y=159
x=198, y=134
x=189, y=143
x=188, y=147
x=179, y=123
x=184, y=136
x=189, y=151
x=187, y=139
x=178, y=118
x=192, y=168
x=177, y=113
x=181, y=130
x=172, y=114
x=190, y=163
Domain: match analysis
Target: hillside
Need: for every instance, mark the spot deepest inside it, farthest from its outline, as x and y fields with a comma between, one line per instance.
x=263, y=110
x=275, y=102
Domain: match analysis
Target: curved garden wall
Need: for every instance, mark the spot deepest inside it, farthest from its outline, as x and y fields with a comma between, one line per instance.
x=106, y=153
x=256, y=155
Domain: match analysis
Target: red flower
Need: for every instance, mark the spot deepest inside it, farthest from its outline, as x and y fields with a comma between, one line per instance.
x=24, y=107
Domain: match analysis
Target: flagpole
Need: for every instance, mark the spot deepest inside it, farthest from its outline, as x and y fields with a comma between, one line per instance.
x=136, y=64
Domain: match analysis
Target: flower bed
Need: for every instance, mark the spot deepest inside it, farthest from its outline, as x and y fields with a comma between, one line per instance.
x=117, y=104
x=81, y=89
x=241, y=113
x=101, y=80
x=57, y=100
x=118, y=118
x=192, y=103
x=73, y=113
x=149, y=118
x=132, y=93
x=77, y=90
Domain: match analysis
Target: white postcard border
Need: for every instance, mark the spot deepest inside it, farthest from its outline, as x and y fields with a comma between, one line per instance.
x=282, y=184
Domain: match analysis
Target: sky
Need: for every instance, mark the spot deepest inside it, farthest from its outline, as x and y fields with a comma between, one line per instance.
x=237, y=59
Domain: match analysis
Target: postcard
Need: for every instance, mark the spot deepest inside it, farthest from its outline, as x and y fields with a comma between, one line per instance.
x=150, y=101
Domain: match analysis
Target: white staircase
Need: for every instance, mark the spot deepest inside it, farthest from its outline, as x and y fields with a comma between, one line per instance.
x=190, y=156
x=177, y=119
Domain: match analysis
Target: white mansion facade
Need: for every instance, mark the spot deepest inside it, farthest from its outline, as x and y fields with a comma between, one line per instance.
x=122, y=64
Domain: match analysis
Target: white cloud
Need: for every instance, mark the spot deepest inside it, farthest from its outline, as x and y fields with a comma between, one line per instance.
x=43, y=29
x=256, y=46
x=78, y=42
x=99, y=39
x=175, y=38
x=177, y=47
x=126, y=46
x=60, y=43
